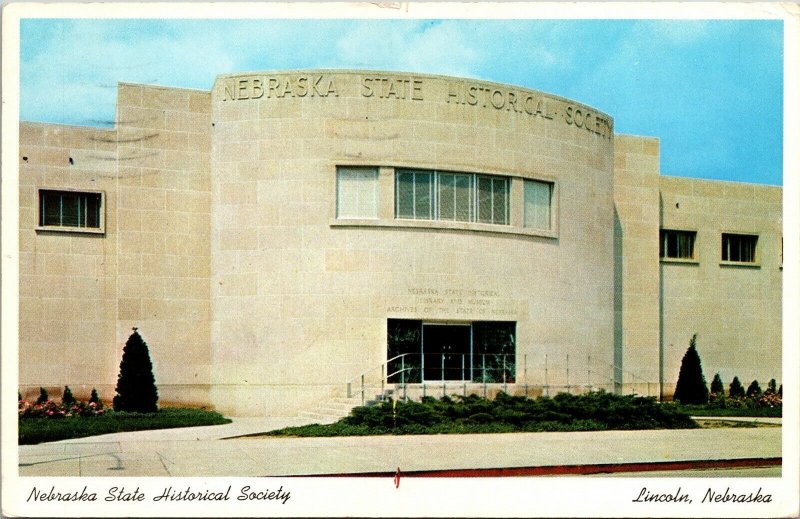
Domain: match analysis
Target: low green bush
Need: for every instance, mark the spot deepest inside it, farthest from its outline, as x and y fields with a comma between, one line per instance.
x=472, y=414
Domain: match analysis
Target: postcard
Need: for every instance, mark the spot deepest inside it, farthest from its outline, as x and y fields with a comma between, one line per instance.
x=400, y=259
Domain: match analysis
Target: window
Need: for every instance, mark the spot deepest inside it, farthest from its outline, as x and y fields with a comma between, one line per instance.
x=677, y=244
x=458, y=197
x=493, y=200
x=455, y=197
x=739, y=247
x=356, y=192
x=538, y=204
x=414, y=195
x=70, y=209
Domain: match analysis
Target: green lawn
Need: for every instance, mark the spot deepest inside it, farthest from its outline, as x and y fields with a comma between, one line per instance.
x=38, y=430
x=472, y=414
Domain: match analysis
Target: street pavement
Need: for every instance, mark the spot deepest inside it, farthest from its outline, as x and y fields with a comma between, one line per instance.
x=211, y=451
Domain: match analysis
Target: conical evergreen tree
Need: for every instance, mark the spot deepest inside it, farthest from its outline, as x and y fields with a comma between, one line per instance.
x=754, y=389
x=136, y=385
x=716, y=386
x=772, y=387
x=94, y=398
x=43, y=396
x=736, y=389
x=691, y=388
x=67, y=397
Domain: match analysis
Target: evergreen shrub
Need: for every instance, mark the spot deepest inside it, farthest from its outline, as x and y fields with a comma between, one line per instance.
x=736, y=390
x=473, y=414
x=716, y=386
x=136, y=385
x=67, y=397
x=691, y=387
x=94, y=398
x=43, y=396
x=754, y=390
x=772, y=387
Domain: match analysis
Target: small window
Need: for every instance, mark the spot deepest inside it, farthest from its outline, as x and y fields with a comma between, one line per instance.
x=677, y=244
x=70, y=209
x=538, y=204
x=356, y=193
x=739, y=247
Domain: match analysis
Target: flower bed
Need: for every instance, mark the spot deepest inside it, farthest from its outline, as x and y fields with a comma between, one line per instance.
x=50, y=409
x=43, y=427
x=767, y=404
x=51, y=421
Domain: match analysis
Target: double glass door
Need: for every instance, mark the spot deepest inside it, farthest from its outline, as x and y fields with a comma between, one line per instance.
x=446, y=350
x=478, y=351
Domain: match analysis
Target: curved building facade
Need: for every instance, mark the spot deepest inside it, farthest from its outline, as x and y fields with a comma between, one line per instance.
x=283, y=234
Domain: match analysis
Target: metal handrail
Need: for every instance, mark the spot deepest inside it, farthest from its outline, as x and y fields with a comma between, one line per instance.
x=384, y=367
x=597, y=375
x=374, y=368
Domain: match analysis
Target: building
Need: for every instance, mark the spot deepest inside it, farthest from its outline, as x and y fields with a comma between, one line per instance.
x=282, y=234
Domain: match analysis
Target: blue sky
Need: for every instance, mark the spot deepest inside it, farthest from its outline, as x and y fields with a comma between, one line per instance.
x=711, y=90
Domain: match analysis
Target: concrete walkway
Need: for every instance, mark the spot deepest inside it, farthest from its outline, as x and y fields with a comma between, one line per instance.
x=201, y=451
x=750, y=419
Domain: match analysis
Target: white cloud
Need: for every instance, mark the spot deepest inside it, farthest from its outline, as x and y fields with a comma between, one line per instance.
x=73, y=76
x=440, y=48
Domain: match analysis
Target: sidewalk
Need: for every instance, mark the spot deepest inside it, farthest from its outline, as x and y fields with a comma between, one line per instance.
x=201, y=451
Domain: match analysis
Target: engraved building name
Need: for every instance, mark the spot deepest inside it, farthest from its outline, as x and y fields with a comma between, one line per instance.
x=411, y=89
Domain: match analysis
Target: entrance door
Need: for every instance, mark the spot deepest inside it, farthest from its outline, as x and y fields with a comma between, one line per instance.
x=446, y=350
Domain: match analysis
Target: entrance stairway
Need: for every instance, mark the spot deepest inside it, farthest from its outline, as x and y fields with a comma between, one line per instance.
x=337, y=408
x=382, y=382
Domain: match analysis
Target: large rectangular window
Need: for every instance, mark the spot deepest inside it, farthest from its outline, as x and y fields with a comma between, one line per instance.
x=538, y=204
x=459, y=197
x=70, y=209
x=677, y=244
x=356, y=192
x=739, y=247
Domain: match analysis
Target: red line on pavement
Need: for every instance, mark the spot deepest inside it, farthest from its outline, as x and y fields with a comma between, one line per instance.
x=560, y=470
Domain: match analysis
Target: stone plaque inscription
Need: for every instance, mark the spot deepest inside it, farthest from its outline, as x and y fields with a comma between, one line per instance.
x=457, y=303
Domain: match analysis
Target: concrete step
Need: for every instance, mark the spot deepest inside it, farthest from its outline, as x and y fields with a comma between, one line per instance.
x=334, y=411
x=347, y=401
x=337, y=408
x=318, y=417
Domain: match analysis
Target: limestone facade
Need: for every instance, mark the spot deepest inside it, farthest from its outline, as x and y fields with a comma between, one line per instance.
x=225, y=239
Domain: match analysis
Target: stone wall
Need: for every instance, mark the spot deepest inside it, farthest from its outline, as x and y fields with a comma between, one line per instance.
x=300, y=299
x=735, y=309
x=636, y=345
x=221, y=243
x=81, y=293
